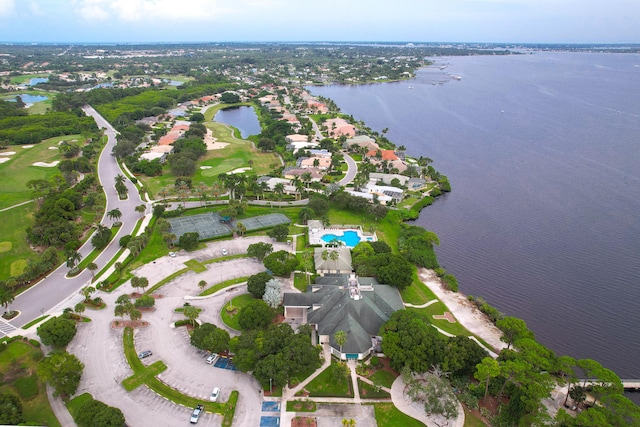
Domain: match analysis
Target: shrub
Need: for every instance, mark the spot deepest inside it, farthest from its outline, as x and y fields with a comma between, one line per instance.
x=57, y=331
x=374, y=361
x=450, y=282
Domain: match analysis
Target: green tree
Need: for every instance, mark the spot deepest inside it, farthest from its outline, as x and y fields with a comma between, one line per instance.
x=202, y=284
x=189, y=241
x=255, y=315
x=94, y=413
x=229, y=98
x=63, y=371
x=10, y=409
x=57, y=331
x=513, y=329
x=92, y=267
x=73, y=258
x=79, y=308
x=145, y=301
x=281, y=263
x=486, y=371
x=259, y=250
x=210, y=337
x=141, y=209
x=256, y=284
x=7, y=295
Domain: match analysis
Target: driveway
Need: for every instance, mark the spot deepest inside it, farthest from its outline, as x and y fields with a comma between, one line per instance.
x=99, y=346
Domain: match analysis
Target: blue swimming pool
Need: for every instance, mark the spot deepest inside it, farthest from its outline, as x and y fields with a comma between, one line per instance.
x=349, y=237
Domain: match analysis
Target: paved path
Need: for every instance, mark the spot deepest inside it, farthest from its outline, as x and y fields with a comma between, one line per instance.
x=16, y=205
x=351, y=171
x=426, y=304
x=56, y=287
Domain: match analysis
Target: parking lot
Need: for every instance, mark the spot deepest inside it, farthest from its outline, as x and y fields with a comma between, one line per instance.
x=99, y=346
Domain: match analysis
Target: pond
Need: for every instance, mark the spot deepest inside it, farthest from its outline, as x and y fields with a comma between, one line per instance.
x=28, y=98
x=243, y=118
x=35, y=80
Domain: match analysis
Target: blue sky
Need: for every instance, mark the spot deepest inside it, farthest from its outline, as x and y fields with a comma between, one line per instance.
x=521, y=21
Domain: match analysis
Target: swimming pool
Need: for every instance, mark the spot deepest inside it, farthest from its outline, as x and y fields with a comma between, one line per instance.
x=350, y=238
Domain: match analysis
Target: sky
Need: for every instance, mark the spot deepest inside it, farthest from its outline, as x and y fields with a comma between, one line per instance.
x=497, y=21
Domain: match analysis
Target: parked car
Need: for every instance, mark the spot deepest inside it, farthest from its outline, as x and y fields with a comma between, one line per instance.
x=172, y=254
x=144, y=354
x=195, y=415
x=214, y=394
x=212, y=358
x=224, y=252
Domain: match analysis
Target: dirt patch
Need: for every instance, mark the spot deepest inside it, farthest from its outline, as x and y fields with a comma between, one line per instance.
x=304, y=422
x=119, y=324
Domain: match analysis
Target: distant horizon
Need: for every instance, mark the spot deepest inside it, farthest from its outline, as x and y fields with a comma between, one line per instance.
x=319, y=42
x=189, y=21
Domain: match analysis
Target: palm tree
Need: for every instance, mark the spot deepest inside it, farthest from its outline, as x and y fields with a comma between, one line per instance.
x=92, y=267
x=169, y=238
x=143, y=282
x=164, y=193
x=135, y=315
x=86, y=292
x=114, y=214
x=121, y=188
x=278, y=189
x=340, y=337
x=7, y=295
x=241, y=228
x=202, y=284
x=216, y=190
x=334, y=255
x=135, y=282
x=191, y=313
x=141, y=209
x=79, y=308
x=73, y=258
x=306, y=178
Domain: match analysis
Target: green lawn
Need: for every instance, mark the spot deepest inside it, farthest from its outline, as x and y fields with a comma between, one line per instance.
x=301, y=406
x=14, y=249
x=437, y=309
x=15, y=173
x=222, y=285
x=383, y=378
x=231, y=318
x=26, y=385
x=388, y=415
x=387, y=228
x=325, y=385
x=75, y=404
x=195, y=265
x=470, y=420
x=418, y=293
x=367, y=391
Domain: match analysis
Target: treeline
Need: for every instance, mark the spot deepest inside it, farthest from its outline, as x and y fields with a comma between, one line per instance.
x=10, y=109
x=32, y=129
x=123, y=106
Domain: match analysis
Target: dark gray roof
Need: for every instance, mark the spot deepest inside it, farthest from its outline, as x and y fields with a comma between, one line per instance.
x=360, y=319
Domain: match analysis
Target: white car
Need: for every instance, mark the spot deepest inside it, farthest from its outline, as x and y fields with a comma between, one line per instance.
x=214, y=394
x=172, y=254
x=212, y=358
x=195, y=415
x=224, y=252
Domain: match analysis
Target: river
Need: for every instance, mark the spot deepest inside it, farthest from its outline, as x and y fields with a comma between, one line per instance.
x=543, y=154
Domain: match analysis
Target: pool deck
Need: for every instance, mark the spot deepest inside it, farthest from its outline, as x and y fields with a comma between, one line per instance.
x=315, y=234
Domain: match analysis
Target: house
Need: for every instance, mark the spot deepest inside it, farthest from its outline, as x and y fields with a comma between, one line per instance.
x=388, y=155
x=361, y=141
x=358, y=306
x=338, y=127
x=295, y=146
x=309, y=162
x=150, y=156
x=370, y=196
x=292, y=172
x=296, y=138
x=340, y=265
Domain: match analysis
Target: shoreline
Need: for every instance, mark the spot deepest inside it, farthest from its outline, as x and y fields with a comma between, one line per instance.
x=465, y=312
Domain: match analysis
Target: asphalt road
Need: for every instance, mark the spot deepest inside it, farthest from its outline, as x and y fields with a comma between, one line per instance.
x=351, y=171
x=56, y=288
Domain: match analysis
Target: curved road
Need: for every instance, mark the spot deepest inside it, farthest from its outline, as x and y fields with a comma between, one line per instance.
x=56, y=288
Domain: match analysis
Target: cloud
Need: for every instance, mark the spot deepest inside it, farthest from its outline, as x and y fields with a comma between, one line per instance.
x=92, y=10
x=150, y=11
x=35, y=9
x=7, y=7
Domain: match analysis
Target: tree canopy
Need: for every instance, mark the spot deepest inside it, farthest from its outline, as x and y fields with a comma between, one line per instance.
x=63, y=371
x=210, y=337
x=57, y=331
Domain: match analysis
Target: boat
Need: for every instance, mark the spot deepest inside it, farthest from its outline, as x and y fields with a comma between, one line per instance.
x=456, y=77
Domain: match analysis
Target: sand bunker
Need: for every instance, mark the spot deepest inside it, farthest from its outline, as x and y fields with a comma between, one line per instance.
x=205, y=167
x=27, y=146
x=4, y=159
x=47, y=165
x=212, y=143
x=240, y=170
x=53, y=148
x=8, y=153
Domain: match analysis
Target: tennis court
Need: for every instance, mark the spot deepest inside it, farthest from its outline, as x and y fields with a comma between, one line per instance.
x=207, y=225
x=210, y=225
x=264, y=221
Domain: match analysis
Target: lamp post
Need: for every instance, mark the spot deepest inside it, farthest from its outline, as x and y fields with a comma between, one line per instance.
x=270, y=387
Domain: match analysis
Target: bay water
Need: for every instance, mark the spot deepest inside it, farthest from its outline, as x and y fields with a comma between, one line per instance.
x=543, y=154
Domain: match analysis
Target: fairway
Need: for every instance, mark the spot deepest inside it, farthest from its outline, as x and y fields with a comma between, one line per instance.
x=14, y=247
x=15, y=173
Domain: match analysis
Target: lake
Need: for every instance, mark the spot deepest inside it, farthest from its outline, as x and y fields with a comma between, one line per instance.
x=243, y=118
x=542, y=151
x=28, y=98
